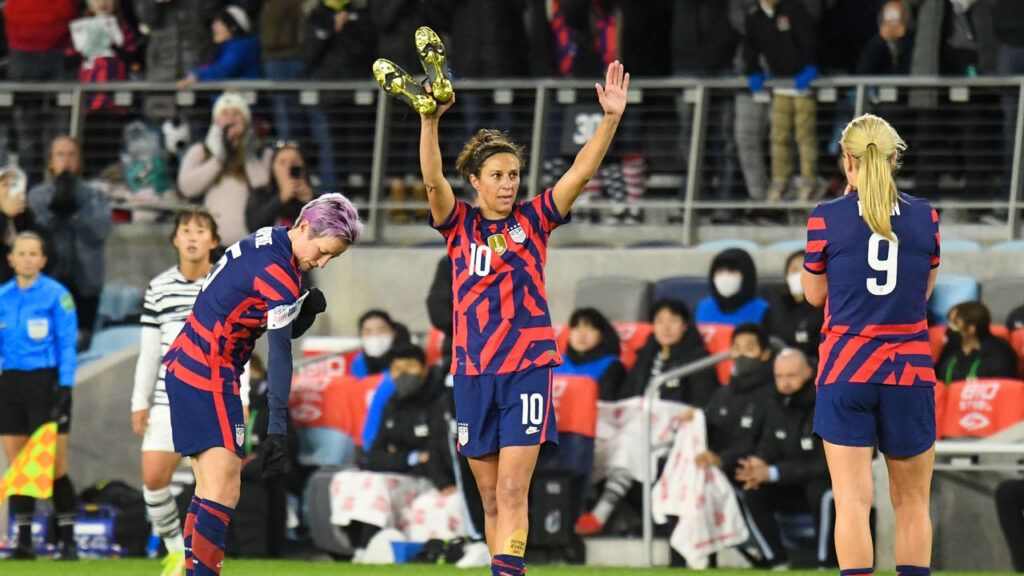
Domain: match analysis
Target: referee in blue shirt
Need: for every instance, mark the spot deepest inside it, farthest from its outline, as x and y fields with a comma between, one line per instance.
x=38, y=334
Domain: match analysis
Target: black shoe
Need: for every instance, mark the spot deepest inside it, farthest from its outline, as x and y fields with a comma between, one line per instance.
x=430, y=553
x=68, y=552
x=22, y=553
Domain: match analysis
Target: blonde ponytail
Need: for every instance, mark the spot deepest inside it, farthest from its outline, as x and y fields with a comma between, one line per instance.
x=877, y=147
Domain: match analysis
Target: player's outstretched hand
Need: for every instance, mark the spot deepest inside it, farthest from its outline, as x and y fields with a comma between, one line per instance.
x=613, y=95
x=442, y=107
x=274, y=457
x=314, y=304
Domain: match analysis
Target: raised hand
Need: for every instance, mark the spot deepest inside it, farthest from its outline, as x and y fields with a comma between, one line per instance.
x=442, y=107
x=613, y=95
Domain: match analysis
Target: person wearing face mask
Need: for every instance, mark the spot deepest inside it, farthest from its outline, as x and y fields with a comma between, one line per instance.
x=593, y=351
x=787, y=472
x=76, y=220
x=378, y=333
x=733, y=300
x=790, y=317
x=971, y=350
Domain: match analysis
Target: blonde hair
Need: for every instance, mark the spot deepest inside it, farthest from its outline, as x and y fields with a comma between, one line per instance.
x=877, y=148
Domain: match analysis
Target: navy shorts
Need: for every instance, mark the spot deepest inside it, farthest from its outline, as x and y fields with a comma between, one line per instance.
x=201, y=419
x=899, y=420
x=498, y=410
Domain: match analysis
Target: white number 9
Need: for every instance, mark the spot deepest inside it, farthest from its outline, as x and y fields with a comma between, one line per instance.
x=889, y=265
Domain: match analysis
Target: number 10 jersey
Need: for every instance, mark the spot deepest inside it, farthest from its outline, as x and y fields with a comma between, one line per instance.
x=876, y=328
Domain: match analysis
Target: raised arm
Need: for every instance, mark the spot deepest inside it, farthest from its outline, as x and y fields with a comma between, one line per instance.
x=613, y=101
x=439, y=191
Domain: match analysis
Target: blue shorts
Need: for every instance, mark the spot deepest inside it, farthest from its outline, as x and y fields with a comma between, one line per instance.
x=201, y=419
x=899, y=420
x=498, y=410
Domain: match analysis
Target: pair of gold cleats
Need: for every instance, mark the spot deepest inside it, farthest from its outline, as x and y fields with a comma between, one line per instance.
x=399, y=84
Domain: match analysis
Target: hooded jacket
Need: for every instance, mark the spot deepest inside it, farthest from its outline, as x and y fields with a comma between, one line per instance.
x=694, y=389
x=798, y=324
x=601, y=363
x=735, y=415
x=740, y=308
x=787, y=438
x=995, y=359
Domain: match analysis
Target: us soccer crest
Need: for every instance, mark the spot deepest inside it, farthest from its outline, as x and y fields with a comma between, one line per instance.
x=497, y=244
x=463, y=433
x=518, y=234
x=239, y=435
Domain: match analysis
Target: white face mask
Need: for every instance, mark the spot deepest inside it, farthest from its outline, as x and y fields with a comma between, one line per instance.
x=728, y=284
x=796, y=288
x=377, y=346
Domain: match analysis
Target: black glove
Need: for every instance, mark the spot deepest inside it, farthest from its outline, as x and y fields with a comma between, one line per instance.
x=274, y=456
x=311, y=306
x=64, y=203
x=61, y=412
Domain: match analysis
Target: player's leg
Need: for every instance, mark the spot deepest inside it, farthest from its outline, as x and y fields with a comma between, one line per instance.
x=850, y=469
x=515, y=470
x=485, y=473
x=158, y=467
x=64, y=502
x=477, y=418
x=190, y=518
x=221, y=472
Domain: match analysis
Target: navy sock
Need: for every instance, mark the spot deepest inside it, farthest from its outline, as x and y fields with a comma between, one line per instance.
x=908, y=570
x=508, y=565
x=857, y=572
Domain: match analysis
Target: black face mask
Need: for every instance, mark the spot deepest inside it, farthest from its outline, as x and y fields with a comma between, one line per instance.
x=744, y=365
x=954, y=338
x=407, y=384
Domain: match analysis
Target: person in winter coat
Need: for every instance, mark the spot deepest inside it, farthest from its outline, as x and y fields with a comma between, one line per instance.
x=279, y=202
x=238, y=51
x=787, y=472
x=790, y=318
x=379, y=333
x=15, y=216
x=971, y=350
x=593, y=351
x=733, y=300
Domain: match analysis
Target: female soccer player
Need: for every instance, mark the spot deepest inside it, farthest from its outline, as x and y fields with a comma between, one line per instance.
x=503, y=346
x=38, y=334
x=168, y=302
x=253, y=288
x=871, y=261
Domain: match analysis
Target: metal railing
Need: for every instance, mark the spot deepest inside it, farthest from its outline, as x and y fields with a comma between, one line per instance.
x=680, y=126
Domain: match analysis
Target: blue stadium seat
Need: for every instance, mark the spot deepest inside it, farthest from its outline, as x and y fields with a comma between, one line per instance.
x=960, y=246
x=950, y=290
x=1009, y=246
x=119, y=304
x=108, y=341
x=1002, y=296
x=323, y=446
x=725, y=244
x=688, y=289
x=788, y=245
x=619, y=298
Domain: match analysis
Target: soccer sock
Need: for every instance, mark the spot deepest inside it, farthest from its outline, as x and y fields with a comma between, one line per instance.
x=190, y=523
x=857, y=572
x=908, y=570
x=23, y=507
x=208, y=535
x=615, y=487
x=508, y=565
x=64, y=506
x=163, y=513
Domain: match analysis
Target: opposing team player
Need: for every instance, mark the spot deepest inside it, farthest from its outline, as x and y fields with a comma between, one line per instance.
x=168, y=302
x=504, y=347
x=255, y=287
x=871, y=260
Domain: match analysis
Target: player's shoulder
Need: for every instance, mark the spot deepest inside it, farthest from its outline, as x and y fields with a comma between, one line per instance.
x=7, y=287
x=51, y=286
x=917, y=203
x=836, y=204
x=169, y=276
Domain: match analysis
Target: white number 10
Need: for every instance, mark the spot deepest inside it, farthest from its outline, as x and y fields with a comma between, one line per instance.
x=889, y=265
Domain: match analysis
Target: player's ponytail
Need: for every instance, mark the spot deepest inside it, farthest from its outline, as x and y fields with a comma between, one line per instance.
x=876, y=147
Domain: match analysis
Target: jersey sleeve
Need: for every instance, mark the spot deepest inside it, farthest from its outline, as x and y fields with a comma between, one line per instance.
x=936, y=252
x=66, y=321
x=815, y=252
x=547, y=211
x=150, y=309
x=450, y=224
x=279, y=288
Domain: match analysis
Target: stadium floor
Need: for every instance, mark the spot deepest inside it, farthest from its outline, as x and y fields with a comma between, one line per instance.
x=291, y=568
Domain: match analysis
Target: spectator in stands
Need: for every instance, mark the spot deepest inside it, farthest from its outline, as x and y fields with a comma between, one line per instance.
x=752, y=118
x=104, y=59
x=889, y=51
x=790, y=318
x=847, y=25
x=15, y=216
x=378, y=333
x=224, y=168
x=76, y=219
x=279, y=202
x=1008, y=21
x=177, y=42
x=733, y=283
x=593, y=351
x=787, y=472
x=972, y=351
x=673, y=343
x=238, y=51
x=1010, y=507
x=782, y=34
x=735, y=413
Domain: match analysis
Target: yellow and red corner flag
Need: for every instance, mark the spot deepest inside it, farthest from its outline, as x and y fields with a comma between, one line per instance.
x=31, y=474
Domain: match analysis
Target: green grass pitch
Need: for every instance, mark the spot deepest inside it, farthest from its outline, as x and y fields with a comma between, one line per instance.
x=125, y=567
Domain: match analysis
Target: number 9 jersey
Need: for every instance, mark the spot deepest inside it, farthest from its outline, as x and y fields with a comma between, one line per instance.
x=876, y=328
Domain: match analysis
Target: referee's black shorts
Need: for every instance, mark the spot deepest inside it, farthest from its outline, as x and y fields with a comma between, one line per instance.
x=27, y=401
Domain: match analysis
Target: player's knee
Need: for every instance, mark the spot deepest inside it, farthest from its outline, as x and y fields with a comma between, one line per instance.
x=858, y=498
x=907, y=498
x=490, y=503
x=155, y=479
x=512, y=492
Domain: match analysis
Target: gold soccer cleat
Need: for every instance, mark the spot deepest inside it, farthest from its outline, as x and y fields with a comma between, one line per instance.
x=399, y=84
x=432, y=56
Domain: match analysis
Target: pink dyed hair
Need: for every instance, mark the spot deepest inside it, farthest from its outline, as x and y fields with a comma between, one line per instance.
x=332, y=215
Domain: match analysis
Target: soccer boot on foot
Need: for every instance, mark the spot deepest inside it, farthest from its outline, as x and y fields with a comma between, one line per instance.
x=173, y=564
x=399, y=84
x=68, y=552
x=434, y=60
x=20, y=552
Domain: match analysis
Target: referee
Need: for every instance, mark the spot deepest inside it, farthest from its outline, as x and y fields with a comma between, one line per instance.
x=38, y=333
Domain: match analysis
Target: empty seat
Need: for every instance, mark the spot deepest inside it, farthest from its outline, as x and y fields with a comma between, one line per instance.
x=110, y=340
x=619, y=298
x=980, y=408
x=788, y=245
x=1009, y=246
x=1002, y=296
x=960, y=245
x=951, y=290
x=725, y=244
x=119, y=304
x=687, y=289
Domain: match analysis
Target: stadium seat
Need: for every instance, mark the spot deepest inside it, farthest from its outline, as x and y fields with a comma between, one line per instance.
x=575, y=403
x=937, y=340
x=1009, y=246
x=982, y=407
x=688, y=289
x=960, y=246
x=432, y=348
x=324, y=446
x=788, y=245
x=119, y=304
x=951, y=290
x=1002, y=296
x=718, y=338
x=317, y=497
x=621, y=298
x=725, y=244
x=108, y=341
x=336, y=402
x=1017, y=341
x=632, y=337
